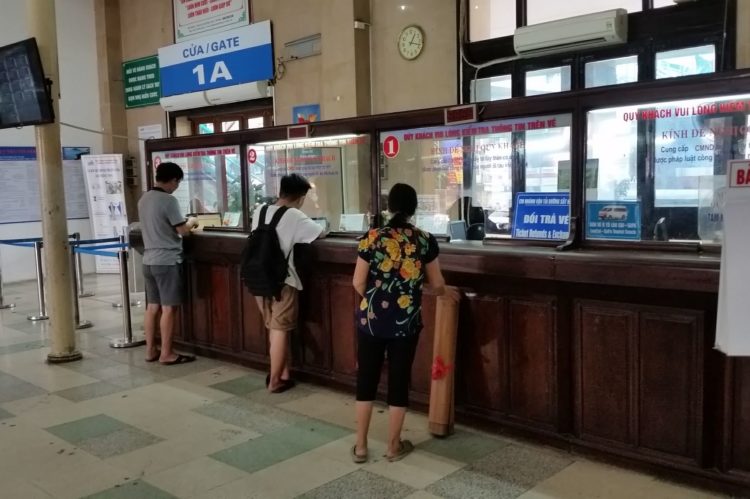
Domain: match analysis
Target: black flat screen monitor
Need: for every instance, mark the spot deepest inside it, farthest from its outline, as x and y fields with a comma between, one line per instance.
x=24, y=96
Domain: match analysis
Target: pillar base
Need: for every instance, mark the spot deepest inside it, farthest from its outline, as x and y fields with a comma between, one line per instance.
x=64, y=357
x=84, y=325
x=137, y=341
x=7, y=305
x=38, y=317
x=86, y=294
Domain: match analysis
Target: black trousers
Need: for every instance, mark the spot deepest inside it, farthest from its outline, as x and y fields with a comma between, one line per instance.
x=371, y=352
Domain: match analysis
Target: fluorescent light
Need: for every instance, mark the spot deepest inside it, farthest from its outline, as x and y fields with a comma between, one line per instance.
x=309, y=140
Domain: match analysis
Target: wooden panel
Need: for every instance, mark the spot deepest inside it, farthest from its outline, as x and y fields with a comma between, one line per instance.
x=343, y=332
x=314, y=319
x=740, y=454
x=200, y=281
x=222, y=321
x=482, y=344
x=603, y=366
x=254, y=333
x=421, y=371
x=532, y=359
x=670, y=382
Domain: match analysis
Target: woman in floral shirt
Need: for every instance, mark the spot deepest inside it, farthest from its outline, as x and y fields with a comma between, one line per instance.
x=391, y=269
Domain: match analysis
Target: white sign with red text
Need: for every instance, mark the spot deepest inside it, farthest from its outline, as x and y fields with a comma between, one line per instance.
x=195, y=18
x=732, y=333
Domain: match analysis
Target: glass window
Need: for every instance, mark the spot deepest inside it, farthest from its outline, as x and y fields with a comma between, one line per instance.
x=464, y=174
x=337, y=167
x=491, y=19
x=493, y=88
x=658, y=171
x=230, y=126
x=612, y=71
x=256, y=122
x=205, y=128
x=685, y=62
x=663, y=3
x=540, y=11
x=212, y=181
x=548, y=81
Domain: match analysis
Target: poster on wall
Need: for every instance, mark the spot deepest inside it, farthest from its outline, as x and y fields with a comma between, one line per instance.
x=146, y=132
x=306, y=114
x=105, y=189
x=196, y=18
x=19, y=185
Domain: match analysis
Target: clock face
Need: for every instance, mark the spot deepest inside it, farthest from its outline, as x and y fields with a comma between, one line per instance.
x=411, y=42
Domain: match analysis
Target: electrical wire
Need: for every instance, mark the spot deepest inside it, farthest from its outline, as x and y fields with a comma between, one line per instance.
x=99, y=132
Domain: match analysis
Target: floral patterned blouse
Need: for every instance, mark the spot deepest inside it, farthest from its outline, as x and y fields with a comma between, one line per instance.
x=392, y=304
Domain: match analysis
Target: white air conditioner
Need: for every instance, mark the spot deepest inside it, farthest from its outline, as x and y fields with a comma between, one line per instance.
x=217, y=96
x=238, y=93
x=184, y=101
x=575, y=33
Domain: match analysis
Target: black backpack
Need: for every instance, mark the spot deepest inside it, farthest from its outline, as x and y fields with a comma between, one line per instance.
x=264, y=266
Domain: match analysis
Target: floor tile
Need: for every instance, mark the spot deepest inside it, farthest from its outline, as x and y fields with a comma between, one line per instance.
x=419, y=469
x=195, y=477
x=522, y=466
x=21, y=347
x=12, y=388
x=5, y=414
x=83, y=429
x=22, y=488
x=463, y=446
x=422, y=494
x=133, y=490
x=118, y=442
x=360, y=484
x=241, y=386
x=218, y=374
x=90, y=391
x=465, y=484
x=246, y=414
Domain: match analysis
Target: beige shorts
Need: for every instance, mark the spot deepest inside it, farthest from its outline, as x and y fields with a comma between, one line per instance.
x=280, y=315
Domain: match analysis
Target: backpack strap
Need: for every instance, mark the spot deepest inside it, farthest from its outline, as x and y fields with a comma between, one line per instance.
x=277, y=216
x=262, y=215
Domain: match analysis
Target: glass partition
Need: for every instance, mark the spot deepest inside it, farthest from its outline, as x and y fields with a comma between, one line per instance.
x=507, y=178
x=658, y=171
x=337, y=167
x=212, y=182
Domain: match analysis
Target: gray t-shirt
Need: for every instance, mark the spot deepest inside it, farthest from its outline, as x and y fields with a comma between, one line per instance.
x=159, y=214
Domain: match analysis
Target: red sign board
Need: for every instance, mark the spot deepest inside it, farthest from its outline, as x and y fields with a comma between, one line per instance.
x=461, y=114
x=390, y=146
x=298, y=132
x=252, y=156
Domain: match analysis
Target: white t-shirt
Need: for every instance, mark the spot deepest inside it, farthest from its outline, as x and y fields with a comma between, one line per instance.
x=294, y=228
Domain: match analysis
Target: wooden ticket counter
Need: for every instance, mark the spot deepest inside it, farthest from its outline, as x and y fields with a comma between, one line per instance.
x=605, y=347
x=607, y=351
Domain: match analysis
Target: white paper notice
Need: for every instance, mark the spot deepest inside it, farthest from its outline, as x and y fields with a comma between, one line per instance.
x=732, y=332
x=146, y=132
x=105, y=192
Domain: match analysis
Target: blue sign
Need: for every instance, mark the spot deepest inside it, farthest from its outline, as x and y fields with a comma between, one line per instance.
x=306, y=114
x=22, y=153
x=542, y=215
x=613, y=220
x=229, y=58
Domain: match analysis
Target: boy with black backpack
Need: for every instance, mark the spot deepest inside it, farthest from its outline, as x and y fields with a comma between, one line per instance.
x=268, y=269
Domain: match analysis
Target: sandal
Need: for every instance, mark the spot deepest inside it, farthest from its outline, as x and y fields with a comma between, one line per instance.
x=404, y=449
x=357, y=458
x=289, y=382
x=181, y=359
x=285, y=385
x=154, y=358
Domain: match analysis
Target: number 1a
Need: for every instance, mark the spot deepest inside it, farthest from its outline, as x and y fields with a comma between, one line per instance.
x=220, y=72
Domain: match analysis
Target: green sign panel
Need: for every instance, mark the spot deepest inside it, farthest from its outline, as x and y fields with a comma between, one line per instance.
x=141, y=81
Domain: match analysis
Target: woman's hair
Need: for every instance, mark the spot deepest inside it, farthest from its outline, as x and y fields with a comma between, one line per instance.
x=402, y=201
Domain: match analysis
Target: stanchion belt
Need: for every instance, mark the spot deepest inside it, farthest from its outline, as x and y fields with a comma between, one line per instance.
x=95, y=241
x=29, y=241
x=98, y=252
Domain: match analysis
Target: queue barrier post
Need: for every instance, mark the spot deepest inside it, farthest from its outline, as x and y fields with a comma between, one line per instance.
x=42, y=315
x=129, y=340
x=3, y=305
x=79, y=324
x=78, y=265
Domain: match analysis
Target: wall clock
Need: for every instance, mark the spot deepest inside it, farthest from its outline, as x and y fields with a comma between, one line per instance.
x=411, y=42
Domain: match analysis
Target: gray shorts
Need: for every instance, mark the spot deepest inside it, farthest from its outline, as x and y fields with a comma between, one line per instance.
x=163, y=284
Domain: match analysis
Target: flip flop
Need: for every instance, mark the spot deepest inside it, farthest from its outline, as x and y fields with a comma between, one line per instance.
x=181, y=359
x=268, y=380
x=358, y=459
x=289, y=382
x=404, y=449
x=155, y=358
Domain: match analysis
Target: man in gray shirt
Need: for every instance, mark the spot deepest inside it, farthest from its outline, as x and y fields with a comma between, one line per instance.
x=163, y=225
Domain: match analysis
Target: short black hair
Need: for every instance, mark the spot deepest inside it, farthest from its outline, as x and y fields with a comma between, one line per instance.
x=402, y=200
x=293, y=187
x=166, y=172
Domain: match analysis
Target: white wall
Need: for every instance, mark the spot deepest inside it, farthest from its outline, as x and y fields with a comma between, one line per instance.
x=79, y=105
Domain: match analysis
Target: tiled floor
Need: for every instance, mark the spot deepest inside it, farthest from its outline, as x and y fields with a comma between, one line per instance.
x=114, y=426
